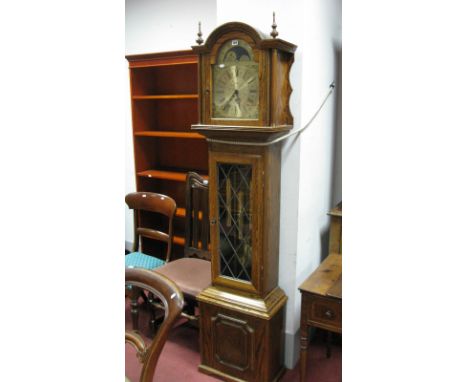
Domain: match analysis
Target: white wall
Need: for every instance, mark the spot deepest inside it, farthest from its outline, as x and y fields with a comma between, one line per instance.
x=165, y=25
x=307, y=160
x=322, y=33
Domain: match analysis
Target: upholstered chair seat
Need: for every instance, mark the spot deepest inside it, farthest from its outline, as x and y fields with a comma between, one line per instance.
x=140, y=260
x=191, y=275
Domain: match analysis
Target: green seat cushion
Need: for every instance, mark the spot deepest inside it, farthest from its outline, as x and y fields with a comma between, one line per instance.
x=140, y=260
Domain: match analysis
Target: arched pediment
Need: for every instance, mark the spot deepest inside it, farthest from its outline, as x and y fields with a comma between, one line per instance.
x=235, y=26
x=261, y=40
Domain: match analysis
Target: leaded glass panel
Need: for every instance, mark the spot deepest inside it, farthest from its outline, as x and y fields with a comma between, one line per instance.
x=235, y=220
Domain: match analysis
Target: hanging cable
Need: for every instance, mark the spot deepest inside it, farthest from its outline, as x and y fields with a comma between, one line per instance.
x=330, y=91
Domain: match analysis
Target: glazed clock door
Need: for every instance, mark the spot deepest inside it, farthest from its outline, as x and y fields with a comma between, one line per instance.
x=236, y=205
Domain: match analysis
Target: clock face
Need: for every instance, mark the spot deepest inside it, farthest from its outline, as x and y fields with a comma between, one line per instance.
x=235, y=82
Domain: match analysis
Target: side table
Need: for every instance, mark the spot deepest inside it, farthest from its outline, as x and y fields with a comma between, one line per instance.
x=321, y=303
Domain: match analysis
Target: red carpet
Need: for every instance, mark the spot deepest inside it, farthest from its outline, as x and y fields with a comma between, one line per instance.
x=180, y=358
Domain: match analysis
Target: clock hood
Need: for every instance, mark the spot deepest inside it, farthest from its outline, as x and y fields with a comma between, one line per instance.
x=262, y=41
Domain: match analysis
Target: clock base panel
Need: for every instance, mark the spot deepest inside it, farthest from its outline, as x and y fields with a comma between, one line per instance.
x=242, y=344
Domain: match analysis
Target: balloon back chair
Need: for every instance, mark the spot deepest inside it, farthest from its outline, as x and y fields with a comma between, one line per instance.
x=143, y=203
x=171, y=299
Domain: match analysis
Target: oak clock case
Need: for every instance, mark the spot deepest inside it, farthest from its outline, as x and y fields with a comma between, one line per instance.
x=243, y=97
x=240, y=79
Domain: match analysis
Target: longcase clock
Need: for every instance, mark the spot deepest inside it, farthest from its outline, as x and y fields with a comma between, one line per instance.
x=244, y=94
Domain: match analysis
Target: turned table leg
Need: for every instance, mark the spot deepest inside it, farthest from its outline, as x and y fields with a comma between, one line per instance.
x=304, y=345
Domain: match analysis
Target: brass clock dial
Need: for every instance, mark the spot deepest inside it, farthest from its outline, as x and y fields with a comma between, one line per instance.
x=235, y=82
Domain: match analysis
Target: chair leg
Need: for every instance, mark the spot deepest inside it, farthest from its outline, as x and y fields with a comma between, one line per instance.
x=156, y=313
x=153, y=325
x=189, y=311
x=134, y=295
x=190, y=308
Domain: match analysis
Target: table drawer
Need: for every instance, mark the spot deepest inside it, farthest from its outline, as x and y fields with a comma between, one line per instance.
x=323, y=310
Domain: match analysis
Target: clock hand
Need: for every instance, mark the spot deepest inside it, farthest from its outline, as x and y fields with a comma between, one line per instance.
x=246, y=83
x=237, y=105
x=227, y=100
x=238, y=109
x=234, y=76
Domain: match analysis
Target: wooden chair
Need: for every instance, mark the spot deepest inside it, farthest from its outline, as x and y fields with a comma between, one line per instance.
x=156, y=203
x=192, y=273
x=172, y=300
x=152, y=202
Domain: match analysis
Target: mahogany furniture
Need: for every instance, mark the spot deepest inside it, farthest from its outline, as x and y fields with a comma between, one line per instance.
x=164, y=103
x=321, y=303
x=192, y=274
x=141, y=202
x=152, y=204
x=173, y=302
x=197, y=226
x=243, y=99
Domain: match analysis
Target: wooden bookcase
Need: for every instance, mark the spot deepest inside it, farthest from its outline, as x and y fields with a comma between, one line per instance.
x=164, y=96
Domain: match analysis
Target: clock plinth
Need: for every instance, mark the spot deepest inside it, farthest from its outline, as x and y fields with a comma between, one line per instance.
x=243, y=105
x=241, y=335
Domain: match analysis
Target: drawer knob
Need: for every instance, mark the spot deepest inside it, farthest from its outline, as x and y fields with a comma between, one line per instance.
x=329, y=313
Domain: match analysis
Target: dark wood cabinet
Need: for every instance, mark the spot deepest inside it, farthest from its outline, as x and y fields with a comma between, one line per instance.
x=164, y=100
x=243, y=346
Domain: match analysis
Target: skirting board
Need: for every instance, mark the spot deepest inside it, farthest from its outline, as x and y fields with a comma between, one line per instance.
x=128, y=246
x=291, y=349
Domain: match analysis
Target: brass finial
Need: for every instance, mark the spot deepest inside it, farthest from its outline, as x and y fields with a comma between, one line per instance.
x=199, y=40
x=274, y=33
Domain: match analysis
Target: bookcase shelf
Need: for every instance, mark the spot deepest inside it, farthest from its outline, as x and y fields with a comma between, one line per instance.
x=169, y=134
x=164, y=97
x=169, y=175
x=164, y=114
x=180, y=212
x=154, y=60
x=179, y=240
